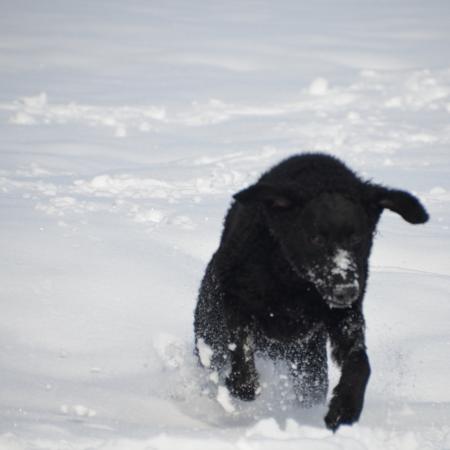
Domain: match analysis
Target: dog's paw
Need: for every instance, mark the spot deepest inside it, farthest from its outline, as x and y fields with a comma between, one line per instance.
x=344, y=410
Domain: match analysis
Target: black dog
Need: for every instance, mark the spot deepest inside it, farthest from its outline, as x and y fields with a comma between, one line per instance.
x=290, y=272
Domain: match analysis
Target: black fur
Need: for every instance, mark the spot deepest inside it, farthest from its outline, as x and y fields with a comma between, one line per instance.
x=290, y=273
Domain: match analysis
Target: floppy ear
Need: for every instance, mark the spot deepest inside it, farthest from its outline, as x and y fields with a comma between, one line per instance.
x=402, y=203
x=274, y=197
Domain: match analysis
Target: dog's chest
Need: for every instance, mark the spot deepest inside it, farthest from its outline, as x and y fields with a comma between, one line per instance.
x=287, y=321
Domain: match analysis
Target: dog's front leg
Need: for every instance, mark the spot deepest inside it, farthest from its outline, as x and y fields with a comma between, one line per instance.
x=242, y=382
x=347, y=341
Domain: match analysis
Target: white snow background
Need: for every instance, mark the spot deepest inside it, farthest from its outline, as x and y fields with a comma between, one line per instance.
x=125, y=126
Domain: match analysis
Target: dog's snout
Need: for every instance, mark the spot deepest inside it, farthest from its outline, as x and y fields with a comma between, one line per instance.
x=346, y=295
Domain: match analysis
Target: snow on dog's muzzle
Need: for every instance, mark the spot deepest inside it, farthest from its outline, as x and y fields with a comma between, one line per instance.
x=337, y=279
x=345, y=290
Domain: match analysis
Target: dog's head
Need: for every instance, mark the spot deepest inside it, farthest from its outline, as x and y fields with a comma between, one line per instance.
x=327, y=238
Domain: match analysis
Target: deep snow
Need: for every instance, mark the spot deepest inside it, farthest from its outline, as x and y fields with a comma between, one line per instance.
x=125, y=128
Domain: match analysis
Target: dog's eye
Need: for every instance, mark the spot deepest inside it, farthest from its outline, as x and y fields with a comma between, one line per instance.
x=317, y=240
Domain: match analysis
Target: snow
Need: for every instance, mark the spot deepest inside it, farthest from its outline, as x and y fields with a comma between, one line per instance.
x=224, y=398
x=342, y=263
x=125, y=129
x=205, y=353
x=319, y=86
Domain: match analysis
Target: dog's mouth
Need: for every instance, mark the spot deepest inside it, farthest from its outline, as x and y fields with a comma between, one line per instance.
x=336, y=305
x=344, y=295
x=341, y=296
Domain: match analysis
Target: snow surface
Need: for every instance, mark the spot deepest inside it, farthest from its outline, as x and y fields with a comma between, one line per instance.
x=125, y=128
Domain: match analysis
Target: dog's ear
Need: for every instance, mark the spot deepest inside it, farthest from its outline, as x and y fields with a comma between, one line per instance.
x=400, y=202
x=273, y=197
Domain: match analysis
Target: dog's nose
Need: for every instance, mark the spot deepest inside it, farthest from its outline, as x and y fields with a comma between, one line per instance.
x=345, y=295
